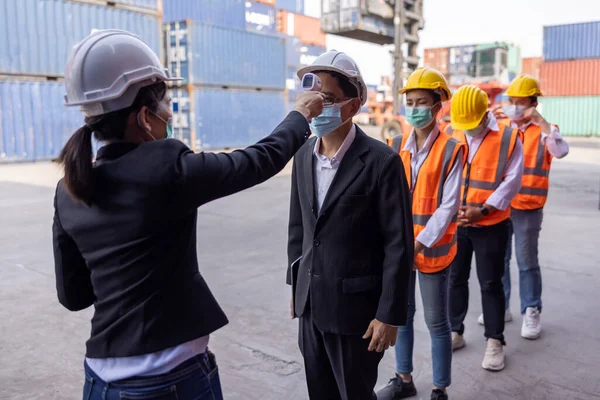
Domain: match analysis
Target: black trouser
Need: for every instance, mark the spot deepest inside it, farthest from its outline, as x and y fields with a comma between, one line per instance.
x=338, y=367
x=489, y=244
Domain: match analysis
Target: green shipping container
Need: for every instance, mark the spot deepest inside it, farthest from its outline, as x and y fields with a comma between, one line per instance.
x=575, y=116
x=514, y=59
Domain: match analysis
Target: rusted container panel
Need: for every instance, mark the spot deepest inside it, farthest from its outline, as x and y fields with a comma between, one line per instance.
x=570, y=78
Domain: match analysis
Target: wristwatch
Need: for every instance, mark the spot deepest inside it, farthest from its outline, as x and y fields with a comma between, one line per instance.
x=484, y=210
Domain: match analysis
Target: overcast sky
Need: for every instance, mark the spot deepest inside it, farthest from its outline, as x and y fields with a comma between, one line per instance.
x=456, y=22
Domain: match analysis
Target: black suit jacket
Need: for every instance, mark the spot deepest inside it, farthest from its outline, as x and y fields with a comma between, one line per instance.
x=133, y=253
x=357, y=253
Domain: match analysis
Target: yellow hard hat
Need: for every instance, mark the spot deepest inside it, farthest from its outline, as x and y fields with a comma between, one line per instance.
x=429, y=79
x=524, y=86
x=468, y=107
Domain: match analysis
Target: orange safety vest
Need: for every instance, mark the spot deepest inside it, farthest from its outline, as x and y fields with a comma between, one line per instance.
x=427, y=197
x=485, y=173
x=537, y=160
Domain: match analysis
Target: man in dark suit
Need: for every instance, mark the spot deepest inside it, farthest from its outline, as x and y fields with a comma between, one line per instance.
x=351, y=228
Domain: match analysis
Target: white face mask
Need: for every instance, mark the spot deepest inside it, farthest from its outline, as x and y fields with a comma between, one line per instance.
x=514, y=112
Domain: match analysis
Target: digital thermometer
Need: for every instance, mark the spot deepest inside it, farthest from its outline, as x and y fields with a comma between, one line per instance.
x=311, y=83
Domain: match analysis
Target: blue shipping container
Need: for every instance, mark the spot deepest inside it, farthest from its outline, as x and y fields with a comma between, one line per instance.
x=572, y=41
x=299, y=54
x=210, y=55
x=260, y=18
x=229, y=13
x=151, y=5
x=182, y=128
x=227, y=118
x=294, y=6
x=36, y=36
x=34, y=123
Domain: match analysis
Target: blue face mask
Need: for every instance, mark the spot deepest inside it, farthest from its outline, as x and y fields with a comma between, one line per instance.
x=329, y=120
x=419, y=117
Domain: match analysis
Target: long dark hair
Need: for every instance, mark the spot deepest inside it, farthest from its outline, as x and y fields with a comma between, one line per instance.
x=77, y=155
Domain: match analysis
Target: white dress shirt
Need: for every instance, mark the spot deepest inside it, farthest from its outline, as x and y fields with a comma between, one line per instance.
x=441, y=218
x=118, y=368
x=511, y=184
x=557, y=146
x=325, y=168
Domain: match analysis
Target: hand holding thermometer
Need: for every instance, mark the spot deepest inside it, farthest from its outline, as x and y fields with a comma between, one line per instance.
x=311, y=83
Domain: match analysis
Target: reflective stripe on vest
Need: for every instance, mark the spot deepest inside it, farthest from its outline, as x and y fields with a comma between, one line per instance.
x=496, y=146
x=534, y=189
x=427, y=195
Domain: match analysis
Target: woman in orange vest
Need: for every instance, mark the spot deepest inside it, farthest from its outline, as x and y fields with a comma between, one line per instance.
x=492, y=177
x=541, y=142
x=432, y=162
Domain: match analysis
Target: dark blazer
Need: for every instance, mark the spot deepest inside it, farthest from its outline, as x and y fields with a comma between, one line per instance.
x=133, y=252
x=357, y=254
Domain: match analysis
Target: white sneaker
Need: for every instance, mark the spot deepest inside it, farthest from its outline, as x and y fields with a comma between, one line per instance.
x=494, y=356
x=458, y=341
x=507, y=317
x=532, y=327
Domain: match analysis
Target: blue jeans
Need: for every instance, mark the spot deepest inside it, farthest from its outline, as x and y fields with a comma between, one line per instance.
x=194, y=379
x=526, y=226
x=434, y=293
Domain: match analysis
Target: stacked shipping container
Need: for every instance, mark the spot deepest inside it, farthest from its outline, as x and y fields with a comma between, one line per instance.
x=235, y=58
x=229, y=74
x=498, y=61
x=33, y=51
x=570, y=77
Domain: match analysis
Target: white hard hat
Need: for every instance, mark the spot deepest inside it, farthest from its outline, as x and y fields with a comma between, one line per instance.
x=341, y=63
x=107, y=69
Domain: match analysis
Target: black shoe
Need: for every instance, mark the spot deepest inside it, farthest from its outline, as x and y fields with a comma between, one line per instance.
x=438, y=394
x=396, y=389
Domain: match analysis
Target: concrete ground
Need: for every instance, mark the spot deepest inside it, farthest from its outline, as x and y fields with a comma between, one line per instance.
x=241, y=248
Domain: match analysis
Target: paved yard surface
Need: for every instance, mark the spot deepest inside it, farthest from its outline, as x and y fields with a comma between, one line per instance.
x=241, y=247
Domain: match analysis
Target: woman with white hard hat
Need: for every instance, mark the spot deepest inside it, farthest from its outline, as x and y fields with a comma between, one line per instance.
x=124, y=227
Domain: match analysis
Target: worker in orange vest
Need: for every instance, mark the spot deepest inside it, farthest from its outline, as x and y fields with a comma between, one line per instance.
x=541, y=142
x=492, y=178
x=433, y=163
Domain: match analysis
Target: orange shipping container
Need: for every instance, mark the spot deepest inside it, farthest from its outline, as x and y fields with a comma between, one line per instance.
x=570, y=78
x=308, y=29
x=531, y=66
x=269, y=2
x=438, y=59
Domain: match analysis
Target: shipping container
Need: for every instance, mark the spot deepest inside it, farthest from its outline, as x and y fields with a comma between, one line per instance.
x=572, y=41
x=38, y=34
x=460, y=60
x=228, y=13
x=514, y=63
x=438, y=59
x=260, y=17
x=34, y=123
x=308, y=29
x=294, y=6
x=351, y=23
x=150, y=5
x=267, y=2
x=218, y=56
x=570, y=78
x=226, y=118
x=575, y=116
x=531, y=66
x=299, y=54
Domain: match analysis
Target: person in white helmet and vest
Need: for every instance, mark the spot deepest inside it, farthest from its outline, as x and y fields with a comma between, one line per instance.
x=541, y=143
x=350, y=243
x=124, y=229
